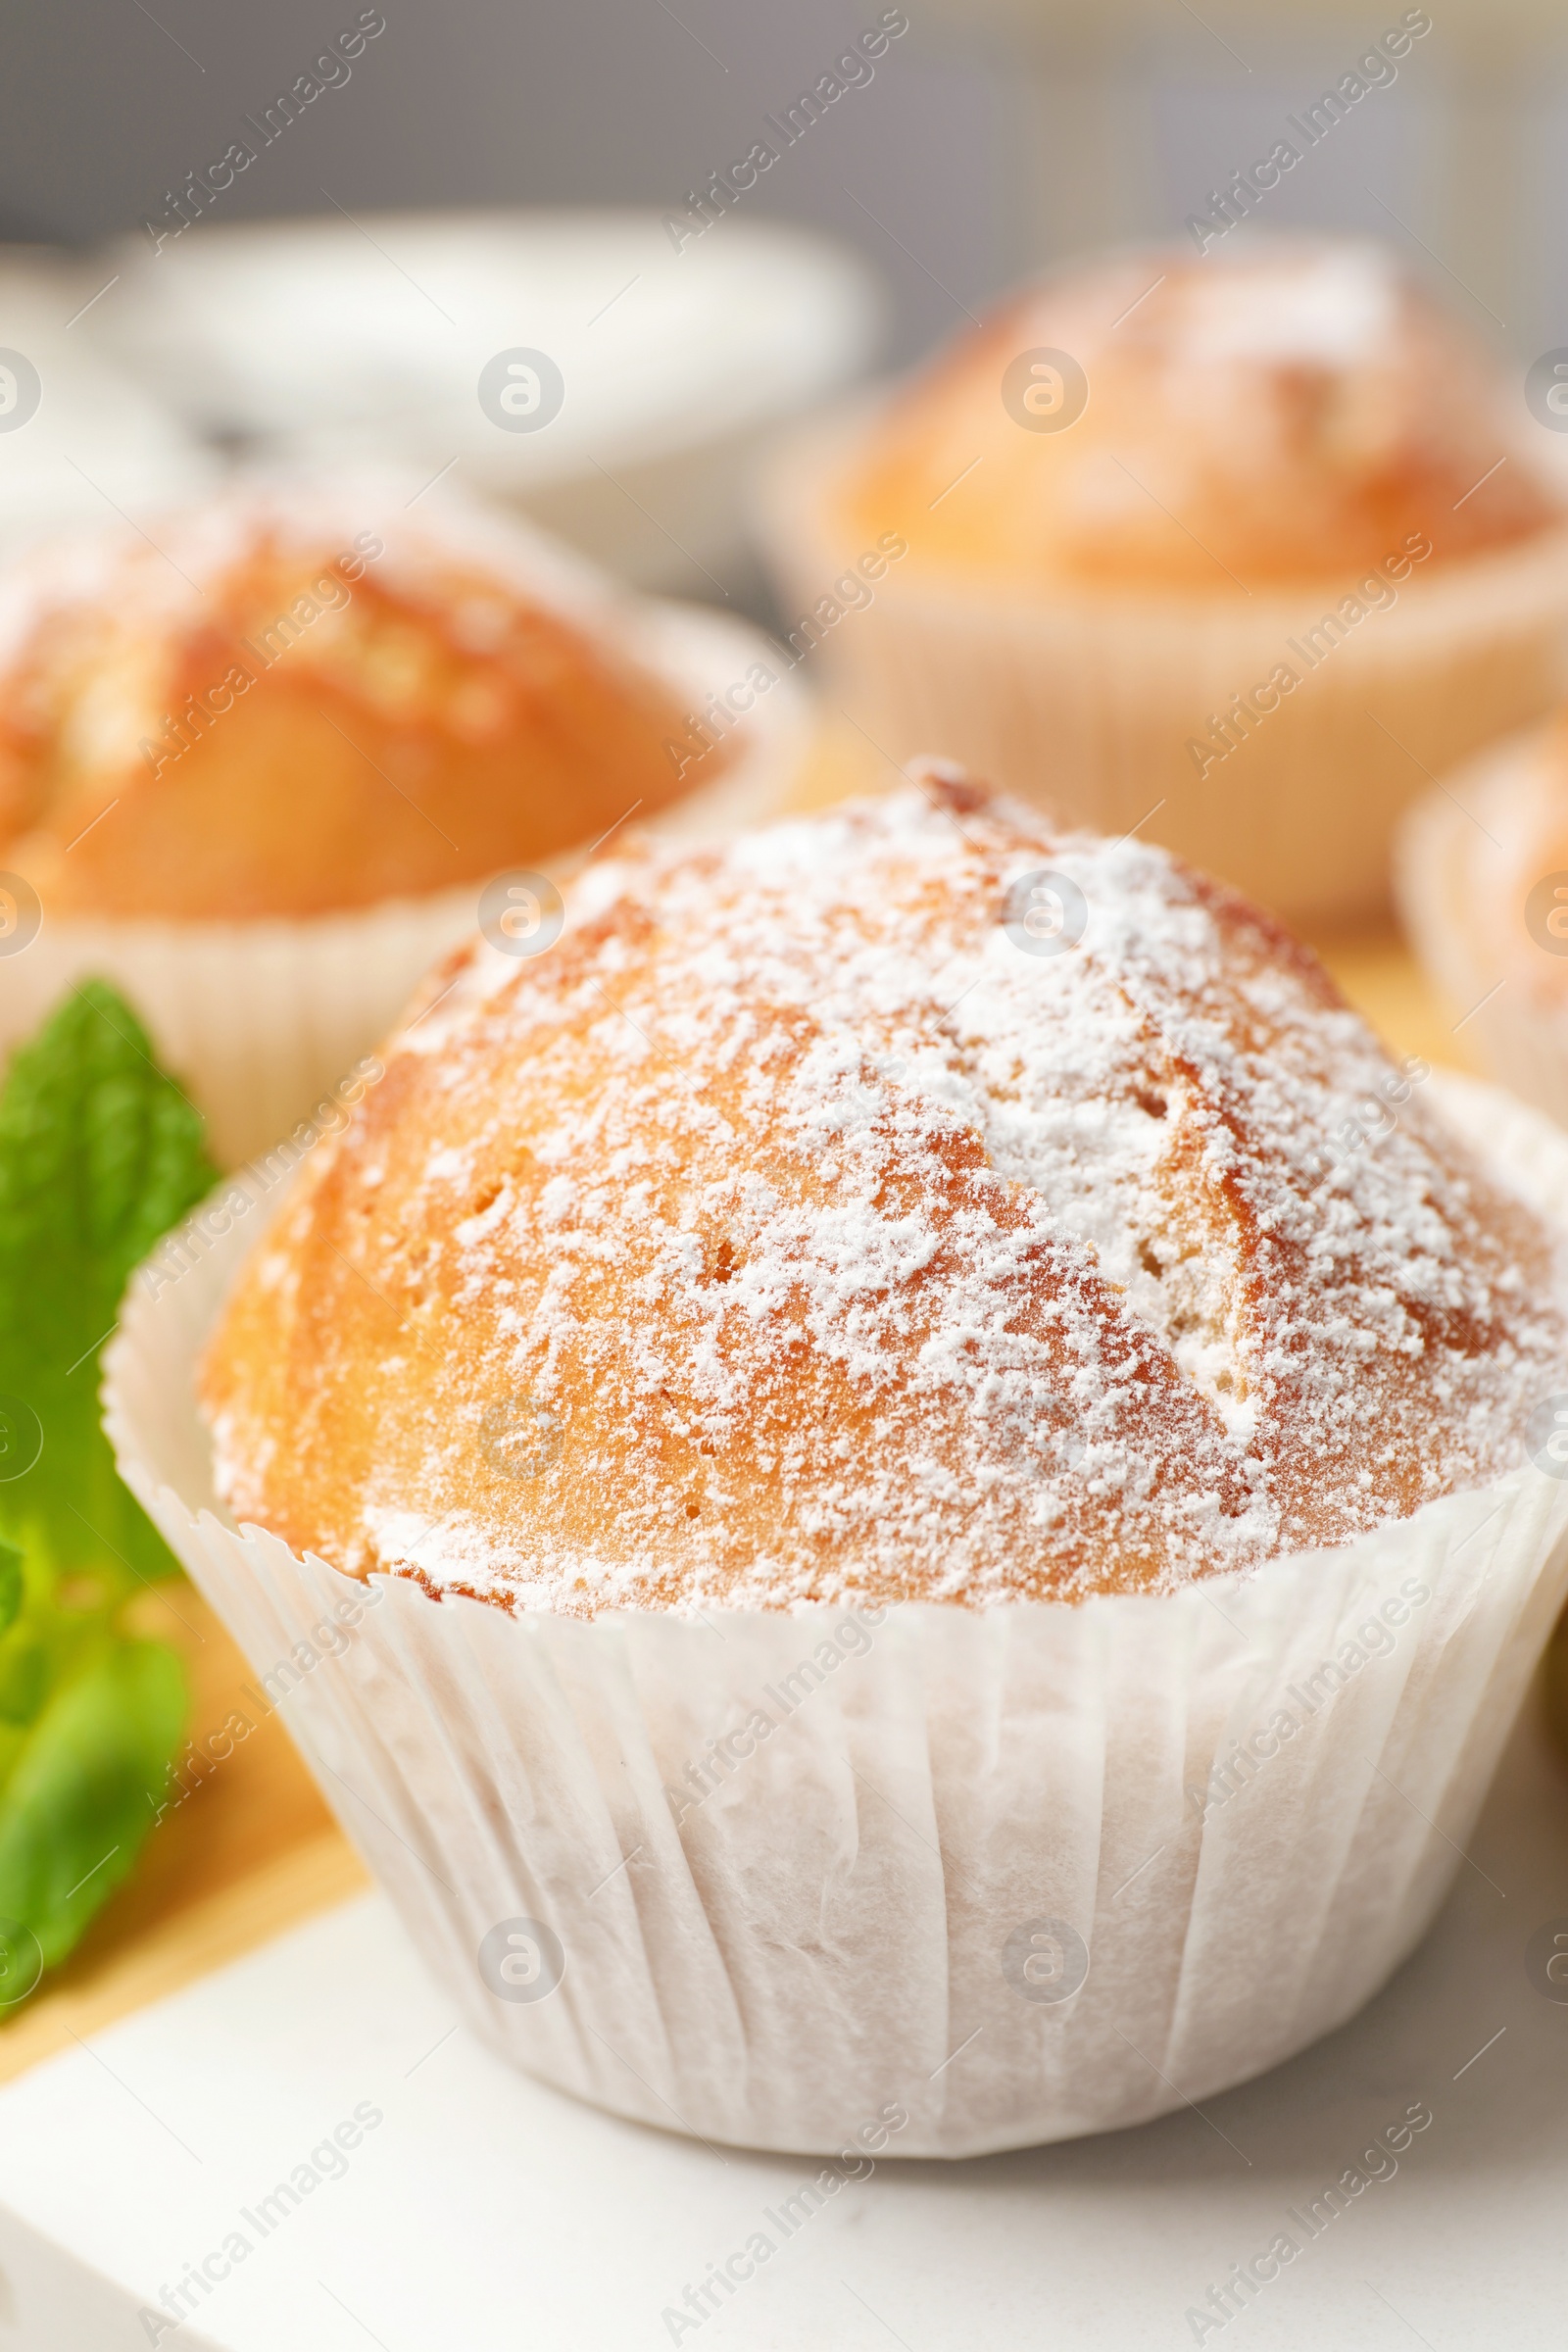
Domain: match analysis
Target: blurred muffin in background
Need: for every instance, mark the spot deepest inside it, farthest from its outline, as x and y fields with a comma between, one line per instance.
x=1247, y=535
x=1294, y=414
x=257, y=763
x=272, y=712
x=1482, y=873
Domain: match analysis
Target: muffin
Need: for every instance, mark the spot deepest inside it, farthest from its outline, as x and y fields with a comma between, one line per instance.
x=288, y=706
x=260, y=717
x=1229, y=546
x=897, y=1492
x=1481, y=870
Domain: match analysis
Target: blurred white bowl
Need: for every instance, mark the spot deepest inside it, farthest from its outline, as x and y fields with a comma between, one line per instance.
x=80, y=439
x=322, y=337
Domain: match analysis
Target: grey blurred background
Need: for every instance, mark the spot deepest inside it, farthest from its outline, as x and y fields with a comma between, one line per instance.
x=994, y=136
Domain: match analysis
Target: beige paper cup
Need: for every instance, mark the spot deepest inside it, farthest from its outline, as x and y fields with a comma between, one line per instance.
x=1461, y=899
x=1089, y=705
x=260, y=1019
x=1010, y=1875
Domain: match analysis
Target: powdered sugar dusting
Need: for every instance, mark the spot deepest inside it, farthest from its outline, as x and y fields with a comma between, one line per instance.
x=1260, y=416
x=308, y=518
x=1333, y=306
x=790, y=1232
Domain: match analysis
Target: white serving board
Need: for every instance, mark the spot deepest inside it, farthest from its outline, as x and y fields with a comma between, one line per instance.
x=484, y=2211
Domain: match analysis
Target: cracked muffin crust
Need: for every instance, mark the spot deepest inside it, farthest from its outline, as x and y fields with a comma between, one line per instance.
x=794, y=1230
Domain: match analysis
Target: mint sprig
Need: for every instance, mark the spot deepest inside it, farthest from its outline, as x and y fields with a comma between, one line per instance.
x=76, y=1806
x=100, y=1154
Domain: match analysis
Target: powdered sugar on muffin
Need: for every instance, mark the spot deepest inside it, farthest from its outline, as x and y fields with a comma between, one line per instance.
x=295, y=698
x=1292, y=410
x=790, y=1231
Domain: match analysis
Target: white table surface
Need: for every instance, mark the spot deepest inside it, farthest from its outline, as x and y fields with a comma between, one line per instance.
x=485, y=2211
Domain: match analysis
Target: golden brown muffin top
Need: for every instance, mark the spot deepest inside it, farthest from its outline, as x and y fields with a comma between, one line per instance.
x=794, y=1230
x=1290, y=412
x=290, y=700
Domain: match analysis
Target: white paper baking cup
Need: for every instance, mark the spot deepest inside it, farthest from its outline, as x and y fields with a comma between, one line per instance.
x=260, y=1019
x=967, y=1875
x=1457, y=886
x=1088, y=705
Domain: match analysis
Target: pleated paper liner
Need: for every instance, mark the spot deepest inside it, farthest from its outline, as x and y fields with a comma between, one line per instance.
x=1091, y=705
x=260, y=1020
x=1010, y=1875
x=1462, y=908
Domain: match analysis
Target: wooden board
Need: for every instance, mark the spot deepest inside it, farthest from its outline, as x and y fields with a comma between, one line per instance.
x=255, y=1848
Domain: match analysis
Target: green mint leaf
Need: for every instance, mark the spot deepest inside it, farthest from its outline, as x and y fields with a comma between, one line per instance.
x=11, y=1586
x=25, y=1670
x=84, y=1790
x=100, y=1154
